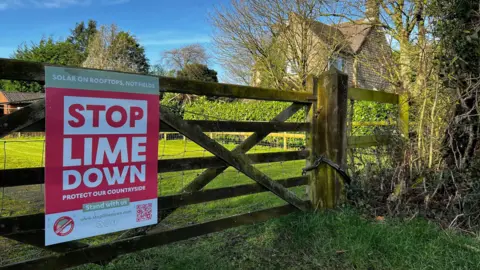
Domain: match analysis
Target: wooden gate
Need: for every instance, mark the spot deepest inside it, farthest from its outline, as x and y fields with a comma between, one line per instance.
x=325, y=129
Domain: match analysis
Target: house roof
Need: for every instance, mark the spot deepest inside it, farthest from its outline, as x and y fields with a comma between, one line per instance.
x=329, y=34
x=354, y=33
x=22, y=97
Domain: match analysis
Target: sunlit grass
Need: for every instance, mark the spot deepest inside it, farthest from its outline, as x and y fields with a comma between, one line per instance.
x=329, y=240
x=332, y=240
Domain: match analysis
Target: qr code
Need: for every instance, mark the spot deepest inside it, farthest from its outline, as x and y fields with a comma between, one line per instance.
x=144, y=212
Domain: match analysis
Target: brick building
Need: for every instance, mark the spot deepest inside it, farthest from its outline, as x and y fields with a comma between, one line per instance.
x=357, y=48
x=12, y=101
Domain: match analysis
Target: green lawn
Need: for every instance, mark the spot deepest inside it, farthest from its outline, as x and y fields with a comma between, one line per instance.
x=332, y=240
x=29, y=199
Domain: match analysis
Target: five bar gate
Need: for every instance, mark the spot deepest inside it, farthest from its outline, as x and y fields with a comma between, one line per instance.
x=325, y=128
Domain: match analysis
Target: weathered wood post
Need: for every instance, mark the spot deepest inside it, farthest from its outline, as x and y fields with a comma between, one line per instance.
x=327, y=137
x=403, y=115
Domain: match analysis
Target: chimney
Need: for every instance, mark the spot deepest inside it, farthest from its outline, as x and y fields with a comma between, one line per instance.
x=372, y=10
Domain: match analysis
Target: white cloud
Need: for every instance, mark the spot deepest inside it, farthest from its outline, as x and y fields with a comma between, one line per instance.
x=6, y=4
x=114, y=2
x=172, y=37
x=9, y=4
x=59, y=3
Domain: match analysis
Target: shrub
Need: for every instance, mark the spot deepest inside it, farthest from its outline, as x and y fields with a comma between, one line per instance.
x=204, y=109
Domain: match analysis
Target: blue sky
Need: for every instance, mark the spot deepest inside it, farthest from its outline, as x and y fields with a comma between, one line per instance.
x=159, y=25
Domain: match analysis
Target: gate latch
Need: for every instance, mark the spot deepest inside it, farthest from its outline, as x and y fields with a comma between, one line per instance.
x=330, y=163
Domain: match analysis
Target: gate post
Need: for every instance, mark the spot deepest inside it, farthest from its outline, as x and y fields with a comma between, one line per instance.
x=327, y=137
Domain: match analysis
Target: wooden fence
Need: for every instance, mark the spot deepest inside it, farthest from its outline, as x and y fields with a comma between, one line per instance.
x=325, y=129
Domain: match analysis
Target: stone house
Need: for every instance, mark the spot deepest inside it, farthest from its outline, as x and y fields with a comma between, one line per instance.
x=356, y=48
x=366, y=58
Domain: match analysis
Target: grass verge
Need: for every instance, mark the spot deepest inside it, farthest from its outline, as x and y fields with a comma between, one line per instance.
x=332, y=240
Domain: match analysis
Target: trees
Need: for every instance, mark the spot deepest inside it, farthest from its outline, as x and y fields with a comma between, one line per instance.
x=198, y=72
x=413, y=69
x=178, y=59
x=457, y=24
x=160, y=70
x=193, y=71
x=49, y=51
x=188, y=62
x=116, y=50
x=259, y=38
x=407, y=25
x=106, y=48
x=46, y=51
x=437, y=65
x=81, y=35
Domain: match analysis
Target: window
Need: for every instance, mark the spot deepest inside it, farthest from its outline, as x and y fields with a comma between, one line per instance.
x=338, y=63
x=290, y=69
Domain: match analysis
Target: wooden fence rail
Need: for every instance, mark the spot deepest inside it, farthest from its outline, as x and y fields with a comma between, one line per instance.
x=212, y=126
x=38, y=130
x=34, y=176
x=11, y=69
x=111, y=250
x=26, y=223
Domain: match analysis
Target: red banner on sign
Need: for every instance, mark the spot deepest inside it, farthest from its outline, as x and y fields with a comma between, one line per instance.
x=101, y=162
x=120, y=162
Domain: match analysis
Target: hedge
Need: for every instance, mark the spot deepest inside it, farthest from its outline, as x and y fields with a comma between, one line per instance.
x=204, y=109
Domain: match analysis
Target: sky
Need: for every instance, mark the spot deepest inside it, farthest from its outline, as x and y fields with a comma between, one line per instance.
x=159, y=25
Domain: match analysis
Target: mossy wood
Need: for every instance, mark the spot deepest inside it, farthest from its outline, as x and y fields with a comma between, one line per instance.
x=371, y=95
x=403, y=115
x=208, y=175
x=327, y=137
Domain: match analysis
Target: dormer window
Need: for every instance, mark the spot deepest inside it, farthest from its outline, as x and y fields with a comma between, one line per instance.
x=290, y=68
x=338, y=63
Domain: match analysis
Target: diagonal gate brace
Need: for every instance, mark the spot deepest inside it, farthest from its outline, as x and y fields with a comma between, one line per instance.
x=209, y=174
x=237, y=160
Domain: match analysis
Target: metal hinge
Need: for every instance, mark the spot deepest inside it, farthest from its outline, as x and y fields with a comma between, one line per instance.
x=332, y=164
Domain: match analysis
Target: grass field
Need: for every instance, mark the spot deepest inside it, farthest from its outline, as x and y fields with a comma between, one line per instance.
x=29, y=199
x=334, y=240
